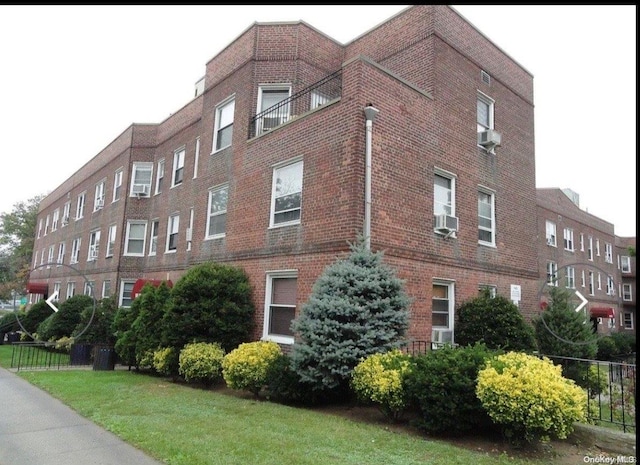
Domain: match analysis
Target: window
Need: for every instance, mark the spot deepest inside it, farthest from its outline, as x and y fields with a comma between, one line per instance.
x=35, y=259
x=625, y=264
x=135, y=238
x=189, y=231
x=599, y=282
x=591, y=284
x=71, y=289
x=442, y=305
x=126, y=287
x=318, y=99
x=598, y=247
x=142, y=175
x=268, y=97
x=56, y=292
x=286, y=198
x=65, y=213
x=54, y=222
x=98, y=199
x=551, y=233
x=608, y=252
x=89, y=286
x=106, y=288
x=223, y=129
x=590, y=249
x=626, y=293
x=581, y=242
x=280, y=306
x=75, y=250
x=117, y=185
x=610, y=286
x=159, y=176
x=486, y=218
x=61, y=248
x=568, y=239
x=484, y=113
x=217, y=216
x=46, y=225
x=173, y=227
x=196, y=158
x=583, y=281
x=552, y=273
x=153, y=243
x=492, y=289
x=111, y=240
x=40, y=228
x=94, y=245
x=50, y=256
x=178, y=167
x=80, y=206
x=627, y=320
x=42, y=256
x=571, y=277
x=444, y=194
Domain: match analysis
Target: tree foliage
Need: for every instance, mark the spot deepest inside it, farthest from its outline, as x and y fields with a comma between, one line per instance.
x=17, y=235
x=357, y=307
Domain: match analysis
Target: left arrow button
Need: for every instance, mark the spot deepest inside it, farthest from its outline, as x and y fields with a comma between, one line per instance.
x=49, y=301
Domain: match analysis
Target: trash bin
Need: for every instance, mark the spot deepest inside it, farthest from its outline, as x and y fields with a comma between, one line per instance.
x=104, y=358
x=13, y=336
x=80, y=354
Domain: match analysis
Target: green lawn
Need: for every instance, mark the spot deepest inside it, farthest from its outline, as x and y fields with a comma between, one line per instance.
x=182, y=425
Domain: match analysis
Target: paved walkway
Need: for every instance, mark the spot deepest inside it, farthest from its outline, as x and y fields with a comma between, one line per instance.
x=37, y=429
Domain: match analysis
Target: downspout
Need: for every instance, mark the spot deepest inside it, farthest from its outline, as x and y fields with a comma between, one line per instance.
x=370, y=114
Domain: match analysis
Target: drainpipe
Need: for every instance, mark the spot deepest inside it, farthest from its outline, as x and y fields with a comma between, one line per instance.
x=370, y=114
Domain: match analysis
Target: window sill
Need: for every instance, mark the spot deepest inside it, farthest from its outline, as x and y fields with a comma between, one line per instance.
x=279, y=339
x=217, y=236
x=284, y=225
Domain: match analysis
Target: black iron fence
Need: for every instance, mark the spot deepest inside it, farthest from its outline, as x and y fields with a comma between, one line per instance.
x=50, y=356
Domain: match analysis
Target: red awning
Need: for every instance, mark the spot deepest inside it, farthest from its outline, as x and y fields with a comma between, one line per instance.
x=602, y=312
x=137, y=287
x=37, y=288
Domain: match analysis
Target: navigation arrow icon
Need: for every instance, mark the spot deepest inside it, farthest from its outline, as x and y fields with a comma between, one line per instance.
x=53, y=297
x=578, y=308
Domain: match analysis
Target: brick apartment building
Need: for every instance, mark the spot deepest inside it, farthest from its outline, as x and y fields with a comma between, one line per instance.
x=293, y=146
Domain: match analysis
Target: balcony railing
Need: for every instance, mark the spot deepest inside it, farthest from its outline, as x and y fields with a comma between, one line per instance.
x=314, y=96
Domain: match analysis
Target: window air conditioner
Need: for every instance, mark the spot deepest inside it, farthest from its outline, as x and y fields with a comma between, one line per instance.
x=446, y=222
x=440, y=337
x=549, y=241
x=140, y=189
x=65, y=221
x=489, y=139
x=99, y=203
x=93, y=252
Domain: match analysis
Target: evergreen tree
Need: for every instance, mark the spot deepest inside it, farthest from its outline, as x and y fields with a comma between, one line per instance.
x=357, y=307
x=147, y=326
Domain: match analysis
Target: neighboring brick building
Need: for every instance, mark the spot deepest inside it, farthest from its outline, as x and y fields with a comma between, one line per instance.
x=626, y=263
x=282, y=192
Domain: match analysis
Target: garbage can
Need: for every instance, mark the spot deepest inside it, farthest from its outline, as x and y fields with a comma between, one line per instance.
x=104, y=358
x=13, y=336
x=80, y=354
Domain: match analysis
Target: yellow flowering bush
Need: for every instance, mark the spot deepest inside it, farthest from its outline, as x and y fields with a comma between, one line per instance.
x=379, y=378
x=201, y=362
x=164, y=359
x=246, y=367
x=529, y=397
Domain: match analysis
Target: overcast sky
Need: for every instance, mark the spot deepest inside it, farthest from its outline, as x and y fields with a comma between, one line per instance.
x=74, y=77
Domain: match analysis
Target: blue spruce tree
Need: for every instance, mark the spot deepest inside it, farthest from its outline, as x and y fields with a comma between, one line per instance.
x=357, y=307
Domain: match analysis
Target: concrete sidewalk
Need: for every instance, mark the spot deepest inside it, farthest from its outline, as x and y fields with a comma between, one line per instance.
x=37, y=429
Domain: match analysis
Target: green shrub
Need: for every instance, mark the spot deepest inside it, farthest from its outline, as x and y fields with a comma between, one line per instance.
x=166, y=361
x=379, y=378
x=63, y=322
x=529, y=397
x=201, y=362
x=151, y=305
x=246, y=367
x=36, y=314
x=606, y=348
x=442, y=386
x=283, y=384
x=597, y=380
x=97, y=326
x=125, y=345
x=625, y=343
x=495, y=322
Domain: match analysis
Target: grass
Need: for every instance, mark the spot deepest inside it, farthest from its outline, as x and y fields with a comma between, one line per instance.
x=182, y=425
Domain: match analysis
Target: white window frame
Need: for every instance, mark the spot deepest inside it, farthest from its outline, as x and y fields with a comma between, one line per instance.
x=283, y=117
x=583, y=279
x=117, y=185
x=71, y=289
x=56, y=291
x=597, y=247
x=128, y=238
x=125, y=283
x=490, y=103
x=590, y=248
x=274, y=188
x=627, y=292
x=271, y=275
x=173, y=230
x=40, y=224
x=552, y=273
x=111, y=240
x=159, y=177
x=318, y=99
x=80, y=205
x=52, y=249
x=61, y=251
x=551, y=233
x=89, y=287
x=627, y=320
x=94, y=245
x=571, y=277
x=106, y=288
x=599, y=281
x=450, y=298
x=138, y=169
x=592, y=287
x=75, y=250
x=196, y=160
x=625, y=264
x=99, y=196
x=568, y=239
x=177, y=176
x=153, y=236
x=491, y=229
x=219, y=214
x=66, y=212
x=608, y=252
x=46, y=225
x=581, y=242
x=224, y=119
x=54, y=221
x=611, y=289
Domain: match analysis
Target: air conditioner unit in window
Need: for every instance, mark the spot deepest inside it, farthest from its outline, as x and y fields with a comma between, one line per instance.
x=489, y=139
x=440, y=337
x=99, y=203
x=93, y=253
x=65, y=221
x=549, y=241
x=140, y=190
x=446, y=223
